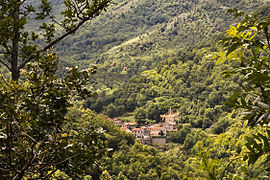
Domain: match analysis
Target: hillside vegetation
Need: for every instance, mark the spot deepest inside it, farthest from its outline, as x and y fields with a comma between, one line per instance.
x=151, y=56
x=159, y=58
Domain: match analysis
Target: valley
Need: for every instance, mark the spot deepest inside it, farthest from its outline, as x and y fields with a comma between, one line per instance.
x=150, y=89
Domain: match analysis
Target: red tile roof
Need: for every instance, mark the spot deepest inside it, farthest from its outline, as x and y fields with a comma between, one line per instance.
x=157, y=128
x=136, y=129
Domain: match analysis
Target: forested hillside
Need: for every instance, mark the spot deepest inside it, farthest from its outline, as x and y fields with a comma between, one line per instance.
x=170, y=65
x=138, y=25
x=210, y=66
x=162, y=60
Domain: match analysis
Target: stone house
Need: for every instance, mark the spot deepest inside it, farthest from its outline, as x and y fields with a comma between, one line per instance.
x=169, y=126
x=141, y=132
x=159, y=140
x=157, y=131
x=171, y=117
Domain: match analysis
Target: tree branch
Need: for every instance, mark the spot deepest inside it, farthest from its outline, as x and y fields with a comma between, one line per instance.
x=66, y=159
x=47, y=175
x=51, y=44
x=7, y=49
x=3, y=52
x=5, y=65
x=9, y=146
x=77, y=8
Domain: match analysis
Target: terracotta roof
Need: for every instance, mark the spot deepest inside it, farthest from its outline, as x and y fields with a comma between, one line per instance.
x=157, y=128
x=156, y=125
x=131, y=123
x=136, y=129
x=117, y=121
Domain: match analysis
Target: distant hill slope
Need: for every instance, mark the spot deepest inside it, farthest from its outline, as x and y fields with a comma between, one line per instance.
x=135, y=35
x=166, y=40
x=167, y=23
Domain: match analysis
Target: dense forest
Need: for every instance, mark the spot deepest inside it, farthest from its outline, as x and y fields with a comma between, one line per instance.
x=68, y=68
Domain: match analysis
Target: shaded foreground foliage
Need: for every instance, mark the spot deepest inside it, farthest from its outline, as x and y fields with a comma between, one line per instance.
x=20, y=44
x=34, y=141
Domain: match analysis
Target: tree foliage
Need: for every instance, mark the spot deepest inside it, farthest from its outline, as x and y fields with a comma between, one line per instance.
x=248, y=47
x=34, y=142
x=19, y=45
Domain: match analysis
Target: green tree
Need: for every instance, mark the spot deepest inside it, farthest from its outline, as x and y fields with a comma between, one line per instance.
x=179, y=136
x=248, y=47
x=222, y=124
x=152, y=111
x=140, y=115
x=111, y=110
x=18, y=44
x=34, y=140
x=192, y=138
x=105, y=175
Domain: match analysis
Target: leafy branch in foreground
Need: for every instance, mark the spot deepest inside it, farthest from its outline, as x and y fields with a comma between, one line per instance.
x=248, y=49
x=33, y=142
x=19, y=45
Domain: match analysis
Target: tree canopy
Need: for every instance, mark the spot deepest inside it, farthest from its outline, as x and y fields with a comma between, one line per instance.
x=248, y=48
x=35, y=139
x=19, y=44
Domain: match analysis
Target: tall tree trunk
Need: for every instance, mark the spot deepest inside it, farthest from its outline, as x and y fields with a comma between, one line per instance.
x=15, y=44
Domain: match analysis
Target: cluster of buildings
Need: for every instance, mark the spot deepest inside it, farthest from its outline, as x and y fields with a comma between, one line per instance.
x=151, y=134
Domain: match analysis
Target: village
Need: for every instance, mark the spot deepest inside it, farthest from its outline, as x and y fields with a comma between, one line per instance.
x=153, y=133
